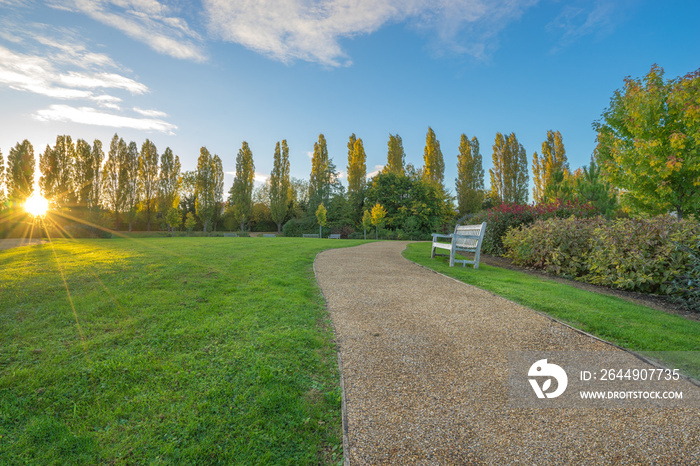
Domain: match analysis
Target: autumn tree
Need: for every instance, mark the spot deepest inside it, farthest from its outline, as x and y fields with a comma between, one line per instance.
x=84, y=173
x=57, y=172
x=280, y=186
x=434, y=165
x=546, y=167
x=2, y=182
x=366, y=221
x=218, y=180
x=97, y=157
x=509, y=175
x=470, y=176
x=148, y=179
x=378, y=213
x=357, y=176
x=19, y=175
x=649, y=143
x=169, y=181
x=321, y=218
x=132, y=186
x=206, y=188
x=114, y=177
x=324, y=176
x=241, y=193
x=396, y=156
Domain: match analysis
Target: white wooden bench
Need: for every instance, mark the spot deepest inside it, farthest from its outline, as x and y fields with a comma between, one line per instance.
x=232, y=235
x=466, y=238
x=269, y=235
x=334, y=236
x=310, y=235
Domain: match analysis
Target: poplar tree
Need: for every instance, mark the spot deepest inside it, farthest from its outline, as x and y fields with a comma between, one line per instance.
x=434, y=168
x=545, y=168
x=132, y=184
x=20, y=172
x=114, y=177
x=148, y=178
x=169, y=181
x=205, y=201
x=84, y=172
x=57, y=172
x=470, y=176
x=2, y=182
x=357, y=176
x=323, y=175
x=280, y=185
x=241, y=193
x=218, y=187
x=396, y=156
x=509, y=175
x=48, y=180
x=98, y=156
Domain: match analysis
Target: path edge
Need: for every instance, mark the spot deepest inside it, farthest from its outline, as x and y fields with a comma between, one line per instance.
x=343, y=403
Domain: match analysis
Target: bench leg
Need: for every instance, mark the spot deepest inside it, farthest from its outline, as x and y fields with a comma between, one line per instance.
x=432, y=252
x=476, y=258
x=452, y=257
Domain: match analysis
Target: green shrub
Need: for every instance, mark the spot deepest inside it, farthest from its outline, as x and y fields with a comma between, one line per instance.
x=558, y=246
x=646, y=255
x=641, y=254
x=291, y=228
x=684, y=289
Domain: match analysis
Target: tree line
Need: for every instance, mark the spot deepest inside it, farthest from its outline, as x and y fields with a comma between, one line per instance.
x=131, y=186
x=647, y=161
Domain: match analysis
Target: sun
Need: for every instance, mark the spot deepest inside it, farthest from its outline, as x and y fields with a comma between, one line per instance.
x=36, y=205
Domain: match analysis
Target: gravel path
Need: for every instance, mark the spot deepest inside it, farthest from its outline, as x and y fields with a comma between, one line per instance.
x=424, y=361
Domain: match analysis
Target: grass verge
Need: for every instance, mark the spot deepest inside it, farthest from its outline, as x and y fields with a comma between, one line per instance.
x=638, y=328
x=167, y=350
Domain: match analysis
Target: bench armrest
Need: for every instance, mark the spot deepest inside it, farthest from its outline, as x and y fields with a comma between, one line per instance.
x=438, y=235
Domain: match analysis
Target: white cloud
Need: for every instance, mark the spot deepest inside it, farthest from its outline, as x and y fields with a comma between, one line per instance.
x=311, y=30
x=260, y=178
x=578, y=19
x=150, y=113
x=375, y=172
x=91, y=116
x=105, y=80
x=146, y=21
x=37, y=74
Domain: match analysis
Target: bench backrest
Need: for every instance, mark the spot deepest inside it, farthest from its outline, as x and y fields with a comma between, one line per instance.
x=469, y=236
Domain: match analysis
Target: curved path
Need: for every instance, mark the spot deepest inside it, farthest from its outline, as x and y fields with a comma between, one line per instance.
x=424, y=361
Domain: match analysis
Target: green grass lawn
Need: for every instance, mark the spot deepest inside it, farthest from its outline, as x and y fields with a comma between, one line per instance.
x=167, y=350
x=626, y=324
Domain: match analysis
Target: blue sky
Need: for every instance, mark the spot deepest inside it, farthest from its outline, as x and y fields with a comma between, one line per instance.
x=218, y=72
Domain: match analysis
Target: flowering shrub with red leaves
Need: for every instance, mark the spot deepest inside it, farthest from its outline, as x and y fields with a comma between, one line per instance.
x=502, y=218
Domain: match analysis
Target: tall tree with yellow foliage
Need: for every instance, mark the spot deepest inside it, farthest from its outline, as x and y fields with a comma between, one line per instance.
x=550, y=167
x=470, y=176
x=434, y=168
x=509, y=175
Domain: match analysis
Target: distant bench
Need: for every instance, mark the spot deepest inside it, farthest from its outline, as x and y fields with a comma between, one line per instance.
x=269, y=235
x=334, y=236
x=231, y=235
x=309, y=235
